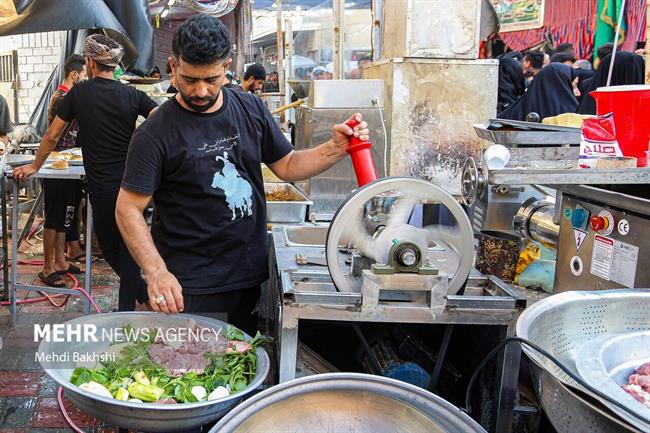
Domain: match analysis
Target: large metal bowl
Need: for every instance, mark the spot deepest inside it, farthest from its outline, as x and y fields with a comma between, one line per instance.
x=607, y=362
x=346, y=402
x=561, y=325
x=138, y=416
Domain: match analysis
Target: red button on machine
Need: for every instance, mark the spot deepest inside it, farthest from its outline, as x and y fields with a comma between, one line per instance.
x=598, y=223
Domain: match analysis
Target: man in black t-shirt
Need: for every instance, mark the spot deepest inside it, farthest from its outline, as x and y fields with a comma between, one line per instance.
x=199, y=158
x=62, y=196
x=106, y=111
x=6, y=126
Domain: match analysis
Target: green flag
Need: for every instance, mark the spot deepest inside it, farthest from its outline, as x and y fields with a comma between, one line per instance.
x=606, y=21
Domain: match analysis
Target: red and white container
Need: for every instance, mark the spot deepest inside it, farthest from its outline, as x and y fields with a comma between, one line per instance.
x=631, y=108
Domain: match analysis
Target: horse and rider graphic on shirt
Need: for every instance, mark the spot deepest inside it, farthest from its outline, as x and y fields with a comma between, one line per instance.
x=239, y=194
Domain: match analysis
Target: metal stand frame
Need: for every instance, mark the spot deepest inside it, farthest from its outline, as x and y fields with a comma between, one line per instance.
x=462, y=310
x=486, y=301
x=10, y=278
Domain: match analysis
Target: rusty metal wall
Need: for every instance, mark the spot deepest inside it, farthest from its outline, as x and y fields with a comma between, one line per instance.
x=430, y=108
x=441, y=29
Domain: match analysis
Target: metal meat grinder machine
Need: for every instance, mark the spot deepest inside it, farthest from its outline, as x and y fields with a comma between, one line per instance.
x=380, y=240
x=397, y=250
x=595, y=218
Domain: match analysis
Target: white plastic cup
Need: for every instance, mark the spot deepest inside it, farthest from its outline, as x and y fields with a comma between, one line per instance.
x=496, y=156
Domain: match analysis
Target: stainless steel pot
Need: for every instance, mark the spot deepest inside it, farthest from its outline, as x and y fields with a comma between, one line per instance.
x=562, y=324
x=346, y=402
x=144, y=416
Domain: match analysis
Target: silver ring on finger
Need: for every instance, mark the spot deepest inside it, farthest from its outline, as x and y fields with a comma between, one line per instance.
x=161, y=299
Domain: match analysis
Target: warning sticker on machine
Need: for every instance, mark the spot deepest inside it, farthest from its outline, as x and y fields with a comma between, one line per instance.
x=624, y=261
x=579, y=236
x=601, y=257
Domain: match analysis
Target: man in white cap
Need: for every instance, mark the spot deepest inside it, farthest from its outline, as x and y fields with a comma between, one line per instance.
x=318, y=73
x=106, y=111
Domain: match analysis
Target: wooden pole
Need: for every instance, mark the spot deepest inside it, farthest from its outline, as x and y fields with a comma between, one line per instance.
x=280, y=53
x=288, y=38
x=280, y=45
x=339, y=39
x=377, y=23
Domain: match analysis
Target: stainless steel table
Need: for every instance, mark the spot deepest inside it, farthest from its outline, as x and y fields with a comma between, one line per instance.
x=10, y=281
x=29, y=147
x=307, y=293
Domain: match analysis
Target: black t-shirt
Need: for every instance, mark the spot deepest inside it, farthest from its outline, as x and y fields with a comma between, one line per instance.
x=204, y=173
x=106, y=111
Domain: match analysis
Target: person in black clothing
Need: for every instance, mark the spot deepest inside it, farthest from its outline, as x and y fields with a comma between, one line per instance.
x=565, y=48
x=62, y=196
x=6, y=126
x=602, y=52
x=171, y=88
x=550, y=94
x=254, y=78
x=563, y=57
x=200, y=158
x=229, y=81
x=629, y=69
x=512, y=84
x=516, y=55
x=106, y=111
x=533, y=63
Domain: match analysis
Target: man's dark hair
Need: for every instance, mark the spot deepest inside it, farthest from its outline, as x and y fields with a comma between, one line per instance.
x=564, y=48
x=605, y=50
x=514, y=55
x=561, y=57
x=256, y=71
x=201, y=40
x=536, y=59
x=74, y=63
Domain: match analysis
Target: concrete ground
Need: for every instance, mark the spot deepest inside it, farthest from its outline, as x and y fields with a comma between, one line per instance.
x=28, y=401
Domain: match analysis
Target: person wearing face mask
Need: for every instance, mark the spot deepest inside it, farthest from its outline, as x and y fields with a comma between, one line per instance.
x=106, y=111
x=62, y=196
x=200, y=159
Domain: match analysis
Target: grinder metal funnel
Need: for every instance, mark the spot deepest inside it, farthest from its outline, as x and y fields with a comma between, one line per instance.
x=300, y=88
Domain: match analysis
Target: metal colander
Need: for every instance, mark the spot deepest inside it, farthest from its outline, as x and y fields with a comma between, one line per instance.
x=561, y=324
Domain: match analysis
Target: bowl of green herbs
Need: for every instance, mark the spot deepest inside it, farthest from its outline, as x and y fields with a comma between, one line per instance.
x=152, y=372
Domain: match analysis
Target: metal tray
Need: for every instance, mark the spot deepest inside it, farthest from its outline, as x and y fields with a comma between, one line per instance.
x=607, y=362
x=293, y=211
x=532, y=126
x=150, y=417
x=557, y=173
x=527, y=138
x=16, y=159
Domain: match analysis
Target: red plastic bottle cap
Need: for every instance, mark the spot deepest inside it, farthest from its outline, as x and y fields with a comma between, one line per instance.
x=599, y=223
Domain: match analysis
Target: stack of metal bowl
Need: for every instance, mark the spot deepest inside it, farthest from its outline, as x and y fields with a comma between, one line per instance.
x=346, y=402
x=599, y=336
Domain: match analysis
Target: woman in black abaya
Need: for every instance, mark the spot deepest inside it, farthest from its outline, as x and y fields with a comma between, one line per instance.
x=512, y=84
x=550, y=94
x=629, y=69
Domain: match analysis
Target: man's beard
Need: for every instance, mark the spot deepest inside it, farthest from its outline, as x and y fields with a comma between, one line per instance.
x=191, y=102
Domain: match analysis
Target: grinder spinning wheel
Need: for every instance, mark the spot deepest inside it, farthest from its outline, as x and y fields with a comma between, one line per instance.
x=381, y=228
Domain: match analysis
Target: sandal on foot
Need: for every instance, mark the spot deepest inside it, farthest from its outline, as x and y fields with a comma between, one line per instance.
x=76, y=258
x=52, y=280
x=72, y=269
